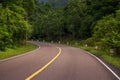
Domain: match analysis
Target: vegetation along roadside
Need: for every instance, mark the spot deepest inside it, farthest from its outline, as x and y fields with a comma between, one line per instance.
x=17, y=50
x=106, y=55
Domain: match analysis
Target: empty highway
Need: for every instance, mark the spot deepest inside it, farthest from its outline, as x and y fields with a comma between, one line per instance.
x=54, y=62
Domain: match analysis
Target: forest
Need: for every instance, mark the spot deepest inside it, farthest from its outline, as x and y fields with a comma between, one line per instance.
x=94, y=22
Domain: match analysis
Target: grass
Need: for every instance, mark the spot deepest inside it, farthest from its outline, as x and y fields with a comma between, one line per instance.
x=114, y=60
x=16, y=51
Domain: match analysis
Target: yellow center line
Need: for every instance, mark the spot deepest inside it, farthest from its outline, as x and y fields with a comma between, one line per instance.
x=45, y=66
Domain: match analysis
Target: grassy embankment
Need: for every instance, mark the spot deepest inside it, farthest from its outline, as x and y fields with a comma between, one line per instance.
x=105, y=55
x=17, y=50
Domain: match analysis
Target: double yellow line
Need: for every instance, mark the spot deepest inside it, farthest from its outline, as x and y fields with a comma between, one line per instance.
x=45, y=66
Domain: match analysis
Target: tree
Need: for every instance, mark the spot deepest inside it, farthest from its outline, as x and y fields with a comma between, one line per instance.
x=13, y=25
x=107, y=31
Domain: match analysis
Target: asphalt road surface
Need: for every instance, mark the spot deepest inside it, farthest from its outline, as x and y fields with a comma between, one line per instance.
x=51, y=63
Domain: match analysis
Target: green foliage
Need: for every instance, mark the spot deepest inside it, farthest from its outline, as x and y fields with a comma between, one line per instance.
x=13, y=26
x=17, y=50
x=107, y=31
x=114, y=60
x=74, y=13
x=29, y=6
x=47, y=22
x=59, y=23
x=96, y=9
x=76, y=20
x=90, y=41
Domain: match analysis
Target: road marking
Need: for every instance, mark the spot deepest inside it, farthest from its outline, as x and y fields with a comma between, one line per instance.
x=45, y=66
x=105, y=65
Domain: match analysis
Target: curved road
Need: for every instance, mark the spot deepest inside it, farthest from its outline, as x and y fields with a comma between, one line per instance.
x=70, y=64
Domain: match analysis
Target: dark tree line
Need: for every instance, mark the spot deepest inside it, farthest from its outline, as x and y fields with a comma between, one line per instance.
x=78, y=20
x=75, y=20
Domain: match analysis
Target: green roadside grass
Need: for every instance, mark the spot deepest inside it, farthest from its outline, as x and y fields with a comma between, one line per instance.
x=17, y=50
x=112, y=59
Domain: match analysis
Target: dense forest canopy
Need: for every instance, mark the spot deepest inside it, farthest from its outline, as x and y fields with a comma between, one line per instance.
x=88, y=20
x=55, y=3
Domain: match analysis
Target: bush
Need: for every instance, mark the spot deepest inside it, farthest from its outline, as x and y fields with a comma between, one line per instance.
x=90, y=41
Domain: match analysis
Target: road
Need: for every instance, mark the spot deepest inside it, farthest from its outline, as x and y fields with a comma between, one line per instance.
x=68, y=63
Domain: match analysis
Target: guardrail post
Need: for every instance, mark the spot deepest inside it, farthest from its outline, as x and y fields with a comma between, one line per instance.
x=86, y=45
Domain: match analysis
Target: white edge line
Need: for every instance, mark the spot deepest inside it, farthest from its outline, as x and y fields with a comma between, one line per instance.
x=105, y=65
x=10, y=58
